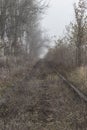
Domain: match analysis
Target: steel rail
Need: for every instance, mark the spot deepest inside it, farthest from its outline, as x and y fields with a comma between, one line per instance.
x=74, y=88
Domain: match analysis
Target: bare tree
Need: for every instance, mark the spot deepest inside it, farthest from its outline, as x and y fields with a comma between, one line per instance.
x=19, y=19
x=80, y=16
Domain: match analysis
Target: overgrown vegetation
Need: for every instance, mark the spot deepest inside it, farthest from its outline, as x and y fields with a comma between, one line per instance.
x=32, y=96
x=20, y=38
x=70, y=52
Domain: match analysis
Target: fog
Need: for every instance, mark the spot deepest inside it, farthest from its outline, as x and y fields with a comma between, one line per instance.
x=59, y=14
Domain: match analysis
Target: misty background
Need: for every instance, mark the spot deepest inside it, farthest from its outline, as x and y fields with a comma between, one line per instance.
x=59, y=14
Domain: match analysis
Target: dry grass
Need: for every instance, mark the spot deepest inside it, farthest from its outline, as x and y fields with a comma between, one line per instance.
x=12, y=71
x=41, y=104
x=79, y=77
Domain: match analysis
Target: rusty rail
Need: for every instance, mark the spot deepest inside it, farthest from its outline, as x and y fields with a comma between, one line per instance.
x=79, y=92
x=74, y=88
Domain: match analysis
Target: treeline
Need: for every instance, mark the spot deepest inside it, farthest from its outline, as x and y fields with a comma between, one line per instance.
x=71, y=49
x=20, y=31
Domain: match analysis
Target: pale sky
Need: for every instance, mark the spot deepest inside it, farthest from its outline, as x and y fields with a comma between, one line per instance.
x=59, y=14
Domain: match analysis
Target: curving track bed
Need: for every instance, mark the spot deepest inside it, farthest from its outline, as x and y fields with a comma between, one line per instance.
x=43, y=101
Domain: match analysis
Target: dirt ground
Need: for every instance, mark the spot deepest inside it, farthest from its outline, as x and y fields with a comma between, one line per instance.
x=42, y=102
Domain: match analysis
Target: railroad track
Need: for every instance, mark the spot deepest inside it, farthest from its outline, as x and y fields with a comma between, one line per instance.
x=53, y=67
x=49, y=106
x=73, y=87
x=80, y=94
